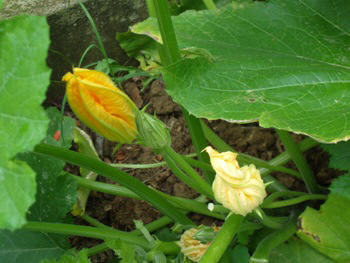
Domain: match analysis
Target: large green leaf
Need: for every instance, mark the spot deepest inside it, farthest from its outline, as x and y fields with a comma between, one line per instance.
x=328, y=230
x=24, y=78
x=17, y=193
x=340, y=155
x=283, y=63
x=27, y=247
x=296, y=251
x=341, y=186
x=56, y=191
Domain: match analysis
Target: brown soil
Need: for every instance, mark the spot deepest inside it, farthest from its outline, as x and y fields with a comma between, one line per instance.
x=120, y=212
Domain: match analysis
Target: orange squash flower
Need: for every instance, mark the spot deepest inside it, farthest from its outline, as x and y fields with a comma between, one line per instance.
x=98, y=103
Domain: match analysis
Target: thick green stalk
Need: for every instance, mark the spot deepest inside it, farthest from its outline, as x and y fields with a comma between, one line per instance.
x=169, y=153
x=94, y=222
x=167, y=31
x=187, y=157
x=172, y=52
x=210, y=5
x=86, y=231
x=182, y=203
x=222, y=239
x=299, y=160
x=105, y=188
x=161, y=50
x=199, y=164
x=274, y=196
x=119, y=176
x=295, y=201
x=97, y=249
x=270, y=221
x=199, y=142
x=181, y=175
x=262, y=252
x=285, y=157
x=168, y=248
x=156, y=224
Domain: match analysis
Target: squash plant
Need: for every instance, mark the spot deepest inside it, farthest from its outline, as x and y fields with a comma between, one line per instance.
x=283, y=64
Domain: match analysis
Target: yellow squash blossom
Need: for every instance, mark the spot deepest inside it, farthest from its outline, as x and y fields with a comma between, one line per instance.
x=99, y=104
x=239, y=189
x=191, y=247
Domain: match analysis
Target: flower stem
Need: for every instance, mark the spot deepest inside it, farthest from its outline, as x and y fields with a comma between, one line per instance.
x=197, y=181
x=199, y=142
x=210, y=5
x=119, y=176
x=262, y=252
x=195, y=163
x=182, y=203
x=167, y=31
x=294, y=201
x=86, y=231
x=168, y=248
x=299, y=160
x=269, y=221
x=97, y=249
x=222, y=239
x=172, y=53
x=92, y=221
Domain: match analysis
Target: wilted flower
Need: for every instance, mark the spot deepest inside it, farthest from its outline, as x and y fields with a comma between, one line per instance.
x=103, y=107
x=239, y=189
x=192, y=248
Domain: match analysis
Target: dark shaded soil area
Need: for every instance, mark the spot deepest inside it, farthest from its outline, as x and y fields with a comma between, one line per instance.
x=120, y=212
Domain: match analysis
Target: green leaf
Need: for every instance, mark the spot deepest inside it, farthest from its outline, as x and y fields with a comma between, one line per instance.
x=56, y=191
x=283, y=63
x=56, y=124
x=328, y=230
x=123, y=250
x=341, y=186
x=296, y=251
x=17, y=193
x=27, y=247
x=24, y=78
x=71, y=256
x=340, y=155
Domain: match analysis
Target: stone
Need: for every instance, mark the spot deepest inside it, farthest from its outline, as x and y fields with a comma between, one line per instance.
x=71, y=33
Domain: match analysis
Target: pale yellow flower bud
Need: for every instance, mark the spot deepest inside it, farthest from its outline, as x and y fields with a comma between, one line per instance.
x=191, y=247
x=239, y=189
